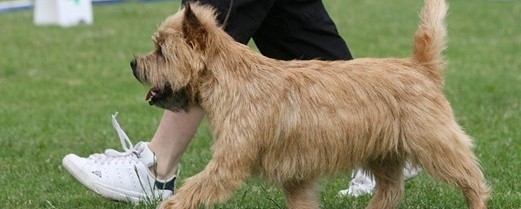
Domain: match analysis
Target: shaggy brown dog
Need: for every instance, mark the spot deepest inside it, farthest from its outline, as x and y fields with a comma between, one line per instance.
x=292, y=122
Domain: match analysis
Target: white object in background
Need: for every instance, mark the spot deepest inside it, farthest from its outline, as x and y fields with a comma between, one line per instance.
x=62, y=12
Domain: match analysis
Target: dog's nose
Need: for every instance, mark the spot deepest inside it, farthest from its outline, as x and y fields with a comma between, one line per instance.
x=133, y=65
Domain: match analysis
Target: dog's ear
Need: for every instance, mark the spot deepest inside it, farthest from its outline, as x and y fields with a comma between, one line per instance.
x=194, y=31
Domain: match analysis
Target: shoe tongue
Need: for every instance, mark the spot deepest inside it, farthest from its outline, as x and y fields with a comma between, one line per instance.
x=146, y=156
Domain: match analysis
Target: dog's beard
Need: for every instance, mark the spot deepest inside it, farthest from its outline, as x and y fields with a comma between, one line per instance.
x=168, y=99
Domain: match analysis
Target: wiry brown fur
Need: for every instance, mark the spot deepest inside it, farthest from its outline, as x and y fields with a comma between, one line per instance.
x=292, y=122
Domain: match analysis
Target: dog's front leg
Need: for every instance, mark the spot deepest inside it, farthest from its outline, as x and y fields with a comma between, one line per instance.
x=224, y=173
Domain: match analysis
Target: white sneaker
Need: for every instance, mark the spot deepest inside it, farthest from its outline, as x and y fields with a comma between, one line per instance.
x=123, y=176
x=363, y=183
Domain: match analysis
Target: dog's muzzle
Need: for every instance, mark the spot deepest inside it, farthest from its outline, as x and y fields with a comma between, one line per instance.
x=133, y=65
x=164, y=97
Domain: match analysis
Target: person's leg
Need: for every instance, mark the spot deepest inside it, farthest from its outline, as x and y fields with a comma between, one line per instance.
x=245, y=16
x=174, y=133
x=300, y=29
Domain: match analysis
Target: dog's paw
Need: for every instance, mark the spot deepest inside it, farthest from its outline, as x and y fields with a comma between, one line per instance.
x=175, y=202
x=167, y=204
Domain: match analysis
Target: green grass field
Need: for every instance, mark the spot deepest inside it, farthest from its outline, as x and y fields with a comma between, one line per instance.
x=59, y=86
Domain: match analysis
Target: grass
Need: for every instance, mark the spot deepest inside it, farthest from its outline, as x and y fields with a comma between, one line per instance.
x=59, y=86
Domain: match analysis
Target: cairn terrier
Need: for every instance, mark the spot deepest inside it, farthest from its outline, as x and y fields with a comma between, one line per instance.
x=293, y=122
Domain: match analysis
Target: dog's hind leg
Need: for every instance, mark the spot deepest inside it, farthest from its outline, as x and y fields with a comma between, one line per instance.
x=300, y=195
x=451, y=160
x=388, y=176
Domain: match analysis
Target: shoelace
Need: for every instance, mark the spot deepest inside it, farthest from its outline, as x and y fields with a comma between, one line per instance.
x=113, y=155
x=123, y=138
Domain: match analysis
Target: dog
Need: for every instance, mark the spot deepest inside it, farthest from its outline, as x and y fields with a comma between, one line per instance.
x=293, y=122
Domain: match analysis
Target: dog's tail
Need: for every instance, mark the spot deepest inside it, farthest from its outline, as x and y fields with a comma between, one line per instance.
x=431, y=38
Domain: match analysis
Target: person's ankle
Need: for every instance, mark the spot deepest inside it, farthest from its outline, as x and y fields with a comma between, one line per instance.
x=163, y=175
x=164, y=168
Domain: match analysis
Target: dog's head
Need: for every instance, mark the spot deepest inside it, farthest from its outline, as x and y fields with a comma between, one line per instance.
x=174, y=67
